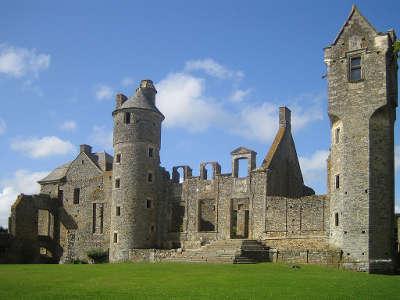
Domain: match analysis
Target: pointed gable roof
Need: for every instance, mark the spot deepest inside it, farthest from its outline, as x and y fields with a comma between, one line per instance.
x=355, y=12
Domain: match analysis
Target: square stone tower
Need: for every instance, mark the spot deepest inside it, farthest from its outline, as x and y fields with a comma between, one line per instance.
x=362, y=89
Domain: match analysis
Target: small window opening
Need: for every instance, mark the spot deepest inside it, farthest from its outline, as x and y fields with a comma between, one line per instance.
x=152, y=228
x=336, y=219
x=117, y=183
x=76, y=195
x=61, y=195
x=355, y=68
x=363, y=231
x=118, y=158
x=243, y=168
x=209, y=172
x=118, y=211
x=149, y=203
x=115, y=237
x=337, y=135
x=82, y=162
x=337, y=181
x=150, y=177
x=151, y=152
x=127, y=118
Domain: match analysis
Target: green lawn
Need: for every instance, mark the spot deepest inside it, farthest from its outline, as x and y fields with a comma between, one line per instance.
x=191, y=281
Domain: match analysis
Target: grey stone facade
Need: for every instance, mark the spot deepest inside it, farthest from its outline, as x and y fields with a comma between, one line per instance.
x=132, y=207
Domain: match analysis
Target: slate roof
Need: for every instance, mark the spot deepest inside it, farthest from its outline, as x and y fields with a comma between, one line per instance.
x=57, y=174
x=140, y=101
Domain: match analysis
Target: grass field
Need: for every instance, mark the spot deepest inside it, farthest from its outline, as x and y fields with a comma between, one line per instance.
x=191, y=281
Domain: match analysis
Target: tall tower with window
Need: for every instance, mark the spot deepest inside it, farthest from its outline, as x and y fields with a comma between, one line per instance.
x=136, y=140
x=362, y=89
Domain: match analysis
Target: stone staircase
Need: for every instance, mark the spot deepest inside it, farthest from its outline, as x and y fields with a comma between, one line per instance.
x=225, y=251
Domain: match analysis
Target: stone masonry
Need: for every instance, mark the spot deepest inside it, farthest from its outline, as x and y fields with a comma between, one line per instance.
x=131, y=207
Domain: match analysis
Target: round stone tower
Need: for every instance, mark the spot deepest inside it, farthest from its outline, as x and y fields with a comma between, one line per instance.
x=137, y=139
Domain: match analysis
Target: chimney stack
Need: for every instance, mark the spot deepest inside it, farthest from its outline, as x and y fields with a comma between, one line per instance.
x=284, y=117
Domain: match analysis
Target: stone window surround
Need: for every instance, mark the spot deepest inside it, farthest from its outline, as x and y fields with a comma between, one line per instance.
x=150, y=177
x=115, y=237
x=337, y=181
x=355, y=54
x=151, y=151
x=149, y=203
x=117, y=183
x=118, y=211
x=118, y=158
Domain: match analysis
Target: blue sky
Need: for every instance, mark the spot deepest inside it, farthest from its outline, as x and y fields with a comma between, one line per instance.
x=222, y=68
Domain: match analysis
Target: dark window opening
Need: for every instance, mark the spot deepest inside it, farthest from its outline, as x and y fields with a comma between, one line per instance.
x=61, y=195
x=115, y=237
x=149, y=203
x=151, y=152
x=82, y=162
x=127, y=118
x=117, y=183
x=118, y=211
x=150, y=177
x=94, y=218
x=355, y=68
x=337, y=181
x=76, y=195
x=118, y=158
x=152, y=228
x=337, y=135
x=336, y=219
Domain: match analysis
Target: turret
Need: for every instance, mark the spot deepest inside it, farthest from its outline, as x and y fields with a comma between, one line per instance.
x=362, y=89
x=136, y=141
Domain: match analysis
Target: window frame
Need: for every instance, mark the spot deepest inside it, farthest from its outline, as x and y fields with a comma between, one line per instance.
x=127, y=118
x=117, y=183
x=352, y=67
x=77, y=196
x=118, y=157
x=337, y=181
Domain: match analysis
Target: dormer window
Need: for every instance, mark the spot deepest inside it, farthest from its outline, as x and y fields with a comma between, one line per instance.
x=355, y=68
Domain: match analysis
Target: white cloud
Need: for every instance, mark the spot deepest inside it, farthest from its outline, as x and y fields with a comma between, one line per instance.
x=69, y=125
x=23, y=181
x=397, y=157
x=239, y=95
x=102, y=137
x=314, y=167
x=127, y=81
x=306, y=109
x=256, y=122
x=42, y=147
x=213, y=68
x=181, y=99
x=19, y=62
x=103, y=92
x=3, y=126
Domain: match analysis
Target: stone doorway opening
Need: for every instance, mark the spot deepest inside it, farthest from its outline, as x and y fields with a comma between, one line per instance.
x=240, y=217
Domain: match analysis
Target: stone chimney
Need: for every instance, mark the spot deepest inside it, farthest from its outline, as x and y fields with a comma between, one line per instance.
x=284, y=117
x=120, y=99
x=86, y=149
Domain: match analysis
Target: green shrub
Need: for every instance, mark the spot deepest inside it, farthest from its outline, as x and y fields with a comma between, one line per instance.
x=98, y=256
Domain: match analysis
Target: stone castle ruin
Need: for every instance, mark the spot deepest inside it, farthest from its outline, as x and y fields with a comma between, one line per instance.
x=130, y=206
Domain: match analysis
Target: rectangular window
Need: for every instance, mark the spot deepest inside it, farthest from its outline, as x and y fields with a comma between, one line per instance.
x=337, y=181
x=117, y=183
x=118, y=158
x=94, y=218
x=127, y=118
x=118, y=211
x=76, y=195
x=101, y=215
x=355, y=68
x=336, y=219
x=115, y=237
x=337, y=135
x=150, y=177
x=60, y=195
x=151, y=152
x=149, y=204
